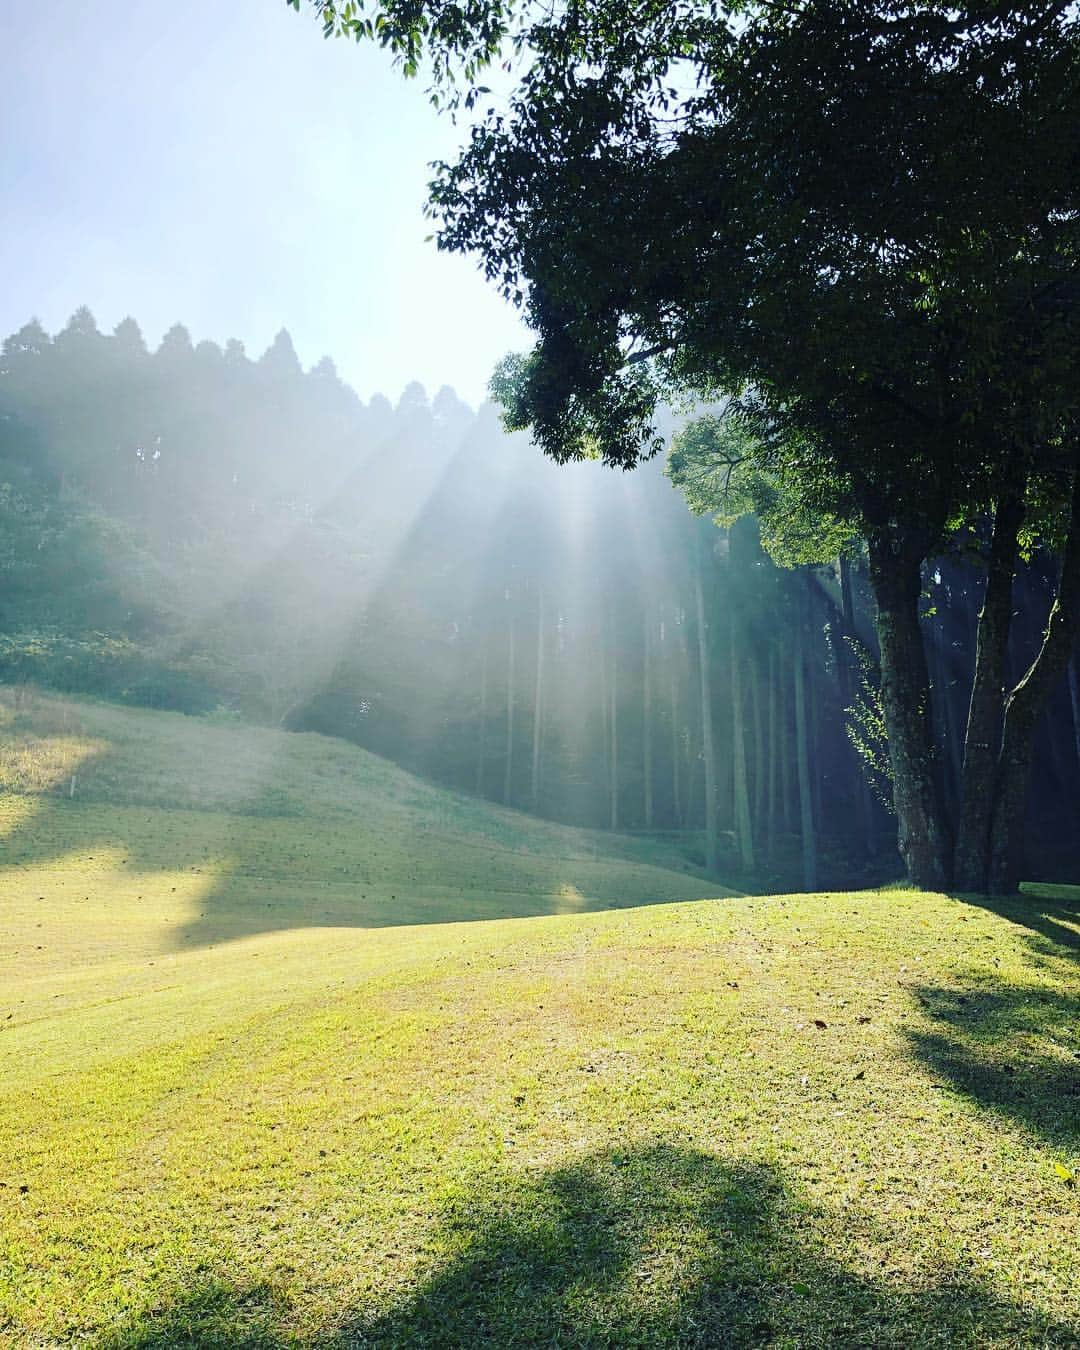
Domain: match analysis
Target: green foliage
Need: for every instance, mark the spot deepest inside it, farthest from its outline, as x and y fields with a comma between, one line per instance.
x=661, y=192
x=865, y=726
x=111, y=667
x=722, y=470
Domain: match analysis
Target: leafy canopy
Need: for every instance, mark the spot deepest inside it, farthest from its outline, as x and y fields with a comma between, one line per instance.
x=857, y=221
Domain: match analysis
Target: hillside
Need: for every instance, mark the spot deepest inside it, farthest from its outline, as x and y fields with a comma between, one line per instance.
x=180, y=831
x=251, y=1098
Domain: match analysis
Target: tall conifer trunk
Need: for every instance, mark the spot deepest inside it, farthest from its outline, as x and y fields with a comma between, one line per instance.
x=481, y=748
x=770, y=837
x=508, y=768
x=614, y=736
x=708, y=745
x=676, y=752
x=1074, y=699
x=538, y=705
x=647, y=721
x=802, y=757
x=743, y=826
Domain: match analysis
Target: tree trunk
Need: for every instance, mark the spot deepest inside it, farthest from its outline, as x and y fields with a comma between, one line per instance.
x=757, y=776
x=785, y=753
x=802, y=757
x=676, y=753
x=614, y=738
x=1074, y=698
x=538, y=705
x=508, y=770
x=1022, y=710
x=982, y=739
x=647, y=721
x=905, y=694
x=605, y=720
x=482, y=745
x=712, y=859
x=770, y=837
x=743, y=826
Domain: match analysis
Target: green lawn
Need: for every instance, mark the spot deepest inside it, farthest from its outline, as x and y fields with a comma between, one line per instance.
x=250, y=1094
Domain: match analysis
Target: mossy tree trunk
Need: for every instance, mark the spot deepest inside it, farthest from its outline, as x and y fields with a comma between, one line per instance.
x=925, y=846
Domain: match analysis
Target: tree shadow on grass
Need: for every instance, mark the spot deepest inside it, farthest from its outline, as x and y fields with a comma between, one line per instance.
x=1050, y=913
x=647, y=1247
x=1015, y=1048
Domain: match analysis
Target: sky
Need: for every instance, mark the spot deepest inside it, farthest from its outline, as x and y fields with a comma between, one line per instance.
x=223, y=166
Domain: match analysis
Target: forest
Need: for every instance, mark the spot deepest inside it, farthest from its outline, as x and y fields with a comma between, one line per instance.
x=580, y=848
x=192, y=529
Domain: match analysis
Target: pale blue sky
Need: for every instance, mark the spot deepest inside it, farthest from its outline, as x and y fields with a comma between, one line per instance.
x=221, y=165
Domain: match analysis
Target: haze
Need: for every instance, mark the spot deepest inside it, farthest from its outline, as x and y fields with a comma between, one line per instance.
x=223, y=166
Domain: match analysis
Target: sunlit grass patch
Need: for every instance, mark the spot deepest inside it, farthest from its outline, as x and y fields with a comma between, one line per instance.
x=43, y=744
x=243, y=1102
x=725, y=1122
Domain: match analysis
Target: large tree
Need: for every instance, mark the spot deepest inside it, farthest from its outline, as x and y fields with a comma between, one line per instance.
x=857, y=220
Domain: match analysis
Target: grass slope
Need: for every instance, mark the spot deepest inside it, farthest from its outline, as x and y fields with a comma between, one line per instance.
x=794, y=1121
x=147, y=819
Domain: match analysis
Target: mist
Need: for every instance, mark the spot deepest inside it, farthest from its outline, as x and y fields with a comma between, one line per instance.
x=245, y=536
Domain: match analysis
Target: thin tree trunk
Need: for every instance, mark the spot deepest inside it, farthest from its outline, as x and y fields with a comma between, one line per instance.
x=482, y=747
x=508, y=771
x=785, y=753
x=538, y=706
x=802, y=759
x=1074, y=698
x=712, y=858
x=605, y=724
x=982, y=739
x=647, y=721
x=812, y=671
x=773, y=749
x=757, y=777
x=614, y=739
x=1022, y=710
x=905, y=694
x=743, y=827
x=676, y=752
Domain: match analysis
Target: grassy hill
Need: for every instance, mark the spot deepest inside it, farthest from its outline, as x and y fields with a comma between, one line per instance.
x=253, y=830
x=251, y=1093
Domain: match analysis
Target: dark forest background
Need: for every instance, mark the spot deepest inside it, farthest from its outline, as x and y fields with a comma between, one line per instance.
x=193, y=530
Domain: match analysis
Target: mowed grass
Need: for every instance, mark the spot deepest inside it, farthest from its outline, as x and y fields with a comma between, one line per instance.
x=249, y=1097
